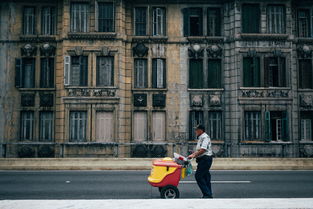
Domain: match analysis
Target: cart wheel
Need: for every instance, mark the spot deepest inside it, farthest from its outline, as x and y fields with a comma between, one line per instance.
x=160, y=188
x=169, y=192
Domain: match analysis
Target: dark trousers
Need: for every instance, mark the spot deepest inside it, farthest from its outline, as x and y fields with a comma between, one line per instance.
x=203, y=175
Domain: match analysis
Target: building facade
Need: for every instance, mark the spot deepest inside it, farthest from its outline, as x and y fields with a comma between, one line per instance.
x=122, y=78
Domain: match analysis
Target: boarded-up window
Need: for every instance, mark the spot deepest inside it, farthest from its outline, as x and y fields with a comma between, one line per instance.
x=29, y=21
x=276, y=19
x=305, y=74
x=215, y=125
x=140, y=21
x=252, y=125
x=46, y=126
x=195, y=73
x=140, y=127
x=306, y=125
x=251, y=71
x=47, y=72
x=214, y=22
x=158, y=73
x=105, y=71
x=304, y=28
x=105, y=16
x=275, y=72
x=141, y=73
x=193, y=22
x=214, y=73
x=79, y=17
x=79, y=71
x=104, y=126
x=159, y=21
x=28, y=73
x=27, y=125
x=78, y=126
x=250, y=18
x=158, y=126
x=48, y=21
x=195, y=118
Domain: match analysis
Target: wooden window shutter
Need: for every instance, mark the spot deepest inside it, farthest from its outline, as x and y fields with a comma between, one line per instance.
x=284, y=130
x=256, y=72
x=266, y=71
x=83, y=70
x=251, y=18
x=268, y=132
x=154, y=73
x=96, y=16
x=282, y=71
x=214, y=73
x=185, y=12
x=67, y=70
x=18, y=72
x=195, y=73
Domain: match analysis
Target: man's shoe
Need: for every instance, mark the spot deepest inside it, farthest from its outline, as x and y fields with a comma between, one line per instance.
x=207, y=197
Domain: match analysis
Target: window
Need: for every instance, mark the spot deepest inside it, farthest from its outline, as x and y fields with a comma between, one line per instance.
x=159, y=21
x=306, y=125
x=140, y=128
x=214, y=73
x=276, y=19
x=305, y=74
x=304, y=27
x=215, y=125
x=47, y=73
x=195, y=73
x=275, y=72
x=250, y=18
x=158, y=73
x=48, y=21
x=27, y=125
x=29, y=27
x=214, y=22
x=79, y=17
x=193, y=21
x=140, y=21
x=78, y=126
x=25, y=73
x=158, y=126
x=46, y=126
x=104, y=126
x=76, y=70
x=105, y=71
x=141, y=73
x=195, y=118
x=105, y=17
x=251, y=72
x=252, y=125
x=276, y=125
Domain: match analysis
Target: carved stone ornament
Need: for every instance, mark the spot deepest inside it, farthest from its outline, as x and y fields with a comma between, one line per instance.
x=47, y=50
x=91, y=92
x=140, y=100
x=304, y=51
x=28, y=100
x=195, y=51
x=277, y=53
x=78, y=50
x=105, y=51
x=215, y=51
x=29, y=50
x=158, y=100
x=215, y=100
x=306, y=101
x=251, y=53
x=140, y=50
x=196, y=100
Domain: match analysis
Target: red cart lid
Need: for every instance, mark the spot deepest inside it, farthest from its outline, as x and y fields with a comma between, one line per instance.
x=167, y=162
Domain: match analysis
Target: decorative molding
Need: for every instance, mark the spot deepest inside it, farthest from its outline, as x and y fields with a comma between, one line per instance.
x=158, y=100
x=196, y=100
x=46, y=100
x=37, y=38
x=215, y=100
x=306, y=101
x=150, y=39
x=28, y=99
x=304, y=51
x=262, y=93
x=47, y=50
x=195, y=51
x=140, y=50
x=140, y=100
x=86, y=92
x=29, y=50
x=252, y=53
x=215, y=51
x=92, y=36
x=277, y=53
x=158, y=50
x=263, y=37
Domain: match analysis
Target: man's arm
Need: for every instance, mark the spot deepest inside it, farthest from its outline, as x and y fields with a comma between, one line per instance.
x=197, y=153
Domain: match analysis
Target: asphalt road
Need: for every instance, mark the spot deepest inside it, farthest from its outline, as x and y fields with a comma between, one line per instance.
x=133, y=185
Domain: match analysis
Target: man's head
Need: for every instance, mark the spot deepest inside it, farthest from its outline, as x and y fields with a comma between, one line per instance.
x=199, y=130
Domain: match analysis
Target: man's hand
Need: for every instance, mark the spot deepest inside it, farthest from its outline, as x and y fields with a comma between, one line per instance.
x=196, y=154
x=191, y=156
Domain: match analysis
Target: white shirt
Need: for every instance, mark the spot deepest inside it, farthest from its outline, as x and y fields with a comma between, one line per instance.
x=204, y=142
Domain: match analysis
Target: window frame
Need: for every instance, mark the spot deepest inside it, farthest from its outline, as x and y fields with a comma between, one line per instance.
x=47, y=73
x=163, y=21
x=97, y=17
x=41, y=138
x=218, y=22
x=271, y=27
x=26, y=29
x=52, y=21
x=83, y=129
x=244, y=26
x=23, y=126
x=302, y=77
x=144, y=79
x=84, y=27
x=136, y=33
x=155, y=73
x=110, y=81
x=219, y=120
x=249, y=122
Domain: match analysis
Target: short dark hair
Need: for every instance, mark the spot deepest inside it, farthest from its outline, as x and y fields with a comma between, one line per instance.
x=201, y=127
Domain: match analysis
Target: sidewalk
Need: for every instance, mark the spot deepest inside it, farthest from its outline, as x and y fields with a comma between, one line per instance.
x=145, y=163
x=286, y=203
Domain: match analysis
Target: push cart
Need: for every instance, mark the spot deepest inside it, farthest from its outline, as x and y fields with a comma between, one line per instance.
x=166, y=174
